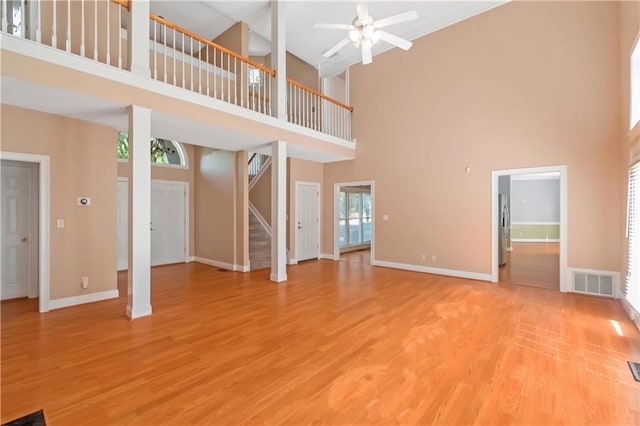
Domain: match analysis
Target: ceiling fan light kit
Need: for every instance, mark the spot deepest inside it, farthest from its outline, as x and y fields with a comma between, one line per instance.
x=364, y=32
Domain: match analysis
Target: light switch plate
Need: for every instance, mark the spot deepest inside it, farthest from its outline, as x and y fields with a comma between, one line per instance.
x=60, y=223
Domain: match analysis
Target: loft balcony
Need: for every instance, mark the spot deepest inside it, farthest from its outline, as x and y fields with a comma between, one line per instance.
x=74, y=58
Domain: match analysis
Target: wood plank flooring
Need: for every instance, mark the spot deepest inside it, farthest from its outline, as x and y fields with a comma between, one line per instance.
x=533, y=264
x=358, y=256
x=339, y=343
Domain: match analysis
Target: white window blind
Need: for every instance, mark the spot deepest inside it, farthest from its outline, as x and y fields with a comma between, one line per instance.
x=632, y=293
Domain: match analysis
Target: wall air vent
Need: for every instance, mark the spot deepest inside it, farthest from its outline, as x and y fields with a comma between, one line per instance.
x=599, y=283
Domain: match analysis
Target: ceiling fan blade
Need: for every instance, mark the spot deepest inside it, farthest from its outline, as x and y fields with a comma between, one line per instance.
x=396, y=19
x=395, y=40
x=366, y=55
x=329, y=53
x=363, y=11
x=333, y=26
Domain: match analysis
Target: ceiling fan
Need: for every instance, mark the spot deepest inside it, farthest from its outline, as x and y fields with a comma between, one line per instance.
x=364, y=32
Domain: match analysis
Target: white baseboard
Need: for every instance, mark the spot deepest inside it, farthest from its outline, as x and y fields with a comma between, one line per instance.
x=430, y=270
x=190, y=259
x=326, y=256
x=218, y=264
x=85, y=298
x=533, y=240
x=633, y=314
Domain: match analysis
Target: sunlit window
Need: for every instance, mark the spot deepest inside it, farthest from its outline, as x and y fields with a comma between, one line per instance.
x=632, y=293
x=254, y=76
x=355, y=218
x=162, y=151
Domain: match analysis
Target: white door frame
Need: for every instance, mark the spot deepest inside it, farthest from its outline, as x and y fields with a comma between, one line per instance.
x=317, y=185
x=336, y=216
x=495, y=175
x=43, y=162
x=187, y=223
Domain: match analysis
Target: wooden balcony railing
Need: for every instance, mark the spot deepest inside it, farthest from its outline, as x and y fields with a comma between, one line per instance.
x=96, y=30
x=310, y=108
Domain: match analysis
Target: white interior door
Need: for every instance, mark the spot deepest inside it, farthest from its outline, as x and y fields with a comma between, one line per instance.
x=307, y=220
x=168, y=223
x=19, y=230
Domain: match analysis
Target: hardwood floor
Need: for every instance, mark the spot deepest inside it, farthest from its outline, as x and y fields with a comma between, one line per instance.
x=533, y=264
x=358, y=256
x=339, y=343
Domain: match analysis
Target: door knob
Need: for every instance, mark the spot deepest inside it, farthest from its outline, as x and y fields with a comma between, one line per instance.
x=23, y=239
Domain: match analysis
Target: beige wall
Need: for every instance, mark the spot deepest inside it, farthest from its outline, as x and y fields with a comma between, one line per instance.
x=235, y=38
x=300, y=171
x=513, y=87
x=297, y=69
x=214, y=201
x=629, y=33
x=174, y=174
x=82, y=162
x=302, y=72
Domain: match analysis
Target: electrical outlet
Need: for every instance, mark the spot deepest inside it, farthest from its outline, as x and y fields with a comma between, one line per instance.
x=424, y=256
x=85, y=282
x=434, y=258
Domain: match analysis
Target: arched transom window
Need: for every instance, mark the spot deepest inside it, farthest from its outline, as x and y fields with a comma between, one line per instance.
x=163, y=151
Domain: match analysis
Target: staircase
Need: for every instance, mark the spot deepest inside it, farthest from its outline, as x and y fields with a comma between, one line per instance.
x=259, y=244
x=259, y=229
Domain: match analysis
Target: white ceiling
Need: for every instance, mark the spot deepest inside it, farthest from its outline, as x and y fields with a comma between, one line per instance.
x=210, y=18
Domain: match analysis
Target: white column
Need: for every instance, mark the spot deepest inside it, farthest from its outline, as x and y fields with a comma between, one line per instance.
x=279, y=59
x=139, y=280
x=138, y=38
x=278, y=211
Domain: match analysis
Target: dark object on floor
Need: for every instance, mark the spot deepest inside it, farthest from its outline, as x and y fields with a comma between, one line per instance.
x=635, y=369
x=33, y=419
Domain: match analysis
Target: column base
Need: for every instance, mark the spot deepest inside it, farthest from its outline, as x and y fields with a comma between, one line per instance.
x=138, y=311
x=278, y=278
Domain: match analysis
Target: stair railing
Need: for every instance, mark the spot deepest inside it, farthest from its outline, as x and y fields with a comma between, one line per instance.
x=257, y=162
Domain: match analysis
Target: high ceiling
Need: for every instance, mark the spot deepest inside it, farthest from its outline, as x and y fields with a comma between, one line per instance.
x=210, y=18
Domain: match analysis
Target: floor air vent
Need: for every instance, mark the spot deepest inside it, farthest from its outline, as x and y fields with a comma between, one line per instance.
x=594, y=282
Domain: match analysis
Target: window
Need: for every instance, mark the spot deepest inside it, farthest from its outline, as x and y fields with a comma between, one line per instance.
x=355, y=218
x=254, y=77
x=635, y=86
x=163, y=151
x=632, y=293
x=14, y=16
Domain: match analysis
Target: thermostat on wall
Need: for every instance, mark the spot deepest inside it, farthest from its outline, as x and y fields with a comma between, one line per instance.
x=84, y=201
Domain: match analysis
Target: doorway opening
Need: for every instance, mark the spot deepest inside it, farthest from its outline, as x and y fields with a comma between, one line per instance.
x=529, y=227
x=354, y=227
x=169, y=222
x=25, y=228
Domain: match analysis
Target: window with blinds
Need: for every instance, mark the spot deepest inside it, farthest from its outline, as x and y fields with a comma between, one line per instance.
x=632, y=293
